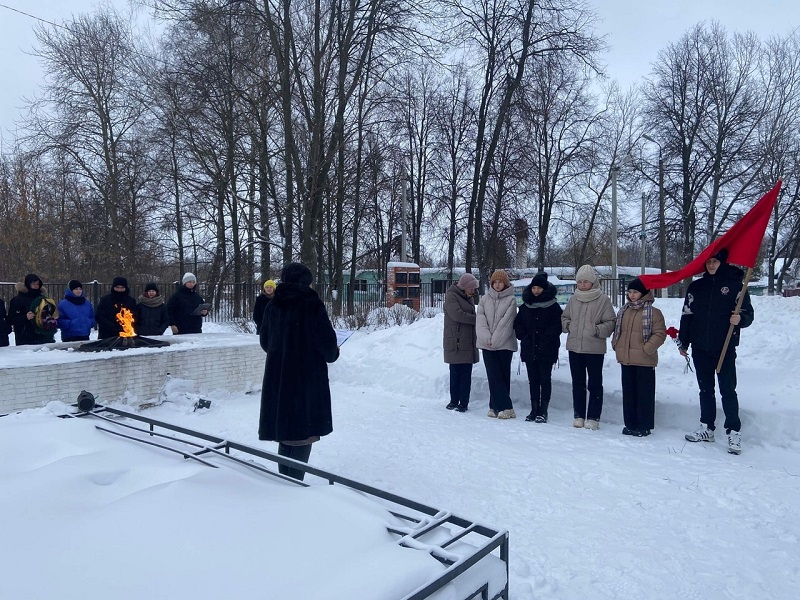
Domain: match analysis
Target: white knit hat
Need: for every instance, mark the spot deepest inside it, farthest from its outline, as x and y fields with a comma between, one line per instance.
x=187, y=277
x=587, y=273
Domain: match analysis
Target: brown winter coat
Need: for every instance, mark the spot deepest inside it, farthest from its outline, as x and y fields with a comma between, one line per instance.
x=459, y=328
x=588, y=324
x=630, y=347
x=495, y=320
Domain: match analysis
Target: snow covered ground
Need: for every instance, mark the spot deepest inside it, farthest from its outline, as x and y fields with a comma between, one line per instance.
x=591, y=514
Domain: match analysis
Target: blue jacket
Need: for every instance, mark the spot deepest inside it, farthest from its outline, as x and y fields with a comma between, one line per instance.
x=75, y=318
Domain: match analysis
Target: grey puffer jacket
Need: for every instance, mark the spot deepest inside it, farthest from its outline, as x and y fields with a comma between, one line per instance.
x=459, y=328
x=495, y=320
x=588, y=323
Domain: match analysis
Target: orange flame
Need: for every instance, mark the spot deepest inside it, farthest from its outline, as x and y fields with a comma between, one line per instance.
x=125, y=318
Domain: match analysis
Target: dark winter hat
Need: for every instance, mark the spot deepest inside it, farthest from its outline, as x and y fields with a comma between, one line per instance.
x=296, y=273
x=467, y=282
x=30, y=278
x=120, y=281
x=636, y=284
x=151, y=286
x=539, y=280
x=721, y=255
x=74, y=284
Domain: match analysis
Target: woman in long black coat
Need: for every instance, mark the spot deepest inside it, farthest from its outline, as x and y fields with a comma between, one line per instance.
x=538, y=327
x=299, y=340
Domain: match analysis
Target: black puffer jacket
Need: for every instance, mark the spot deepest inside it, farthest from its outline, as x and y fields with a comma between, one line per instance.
x=180, y=307
x=299, y=340
x=24, y=330
x=538, y=325
x=707, y=309
x=151, y=316
x=107, y=310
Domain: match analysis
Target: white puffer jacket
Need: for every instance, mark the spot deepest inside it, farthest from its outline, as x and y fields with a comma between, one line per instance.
x=495, y=320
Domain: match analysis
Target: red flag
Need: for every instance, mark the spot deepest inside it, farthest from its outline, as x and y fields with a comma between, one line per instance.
x=743, y=241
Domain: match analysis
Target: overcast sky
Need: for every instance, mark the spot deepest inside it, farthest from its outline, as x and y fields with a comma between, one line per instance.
x=635, y=34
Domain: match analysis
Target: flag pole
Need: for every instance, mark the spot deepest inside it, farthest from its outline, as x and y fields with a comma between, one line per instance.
x=736, y=312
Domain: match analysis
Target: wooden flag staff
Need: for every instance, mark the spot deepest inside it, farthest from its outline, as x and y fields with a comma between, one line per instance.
x=736, y=312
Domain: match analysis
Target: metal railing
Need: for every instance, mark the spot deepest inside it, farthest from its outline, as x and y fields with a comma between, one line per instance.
x=448, y=528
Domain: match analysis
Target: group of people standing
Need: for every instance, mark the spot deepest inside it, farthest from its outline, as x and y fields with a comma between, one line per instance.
x=637, y=331
x=34, y=317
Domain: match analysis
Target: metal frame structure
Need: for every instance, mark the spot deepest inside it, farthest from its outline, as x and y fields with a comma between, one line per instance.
x=213, y=452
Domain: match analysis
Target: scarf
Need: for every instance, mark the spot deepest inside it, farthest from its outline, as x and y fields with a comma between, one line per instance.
x=544, y=304
x=151, y=302
x=647, y=318
x=589, y=295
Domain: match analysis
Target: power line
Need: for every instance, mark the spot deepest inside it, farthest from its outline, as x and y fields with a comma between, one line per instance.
x=22, y=12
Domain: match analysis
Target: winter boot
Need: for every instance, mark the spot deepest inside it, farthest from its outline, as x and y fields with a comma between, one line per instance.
x=452, y=405
x=461, y=408
x=492, y=414
x=704, y=434
x=542, y=412
x=641, y=432
x=734, y=442
x=507, y=414
x=578, y=422
x=592, y=424
x=531, y=417
x=628, y=431
x=541, y=419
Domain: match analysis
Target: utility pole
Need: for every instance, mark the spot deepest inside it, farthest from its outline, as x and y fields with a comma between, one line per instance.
x=643, y=235
x=403, y=228
x=614, y=171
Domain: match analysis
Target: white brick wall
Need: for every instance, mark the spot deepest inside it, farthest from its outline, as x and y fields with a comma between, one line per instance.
x=212, y=361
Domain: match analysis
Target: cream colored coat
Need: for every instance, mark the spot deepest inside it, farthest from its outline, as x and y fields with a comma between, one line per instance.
x=588, y=324
x=630, y=347
x=495, y=320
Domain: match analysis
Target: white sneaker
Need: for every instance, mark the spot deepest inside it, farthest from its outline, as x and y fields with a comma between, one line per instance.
x=592, y=424
x=704, y=434
x=491, y=414
x=507, y=414
x=735, y=442
x=578, y=423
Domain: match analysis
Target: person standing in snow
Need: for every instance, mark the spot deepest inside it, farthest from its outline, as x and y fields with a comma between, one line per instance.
x=640, y=331
x=75, y=314
x=459, y=339
x=538, y=326
x=5, y=326
x=33, y=315
x=707, y=315
x=110, y=306
x=299, y=340
x=183, y=305
x=151, y=312
x=264, y=297
x=588, y=320
x=495, y=338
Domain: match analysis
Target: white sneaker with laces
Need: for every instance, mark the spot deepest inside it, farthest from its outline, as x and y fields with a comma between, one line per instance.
x=578, y=423
x=704, y=434
x=735, y=442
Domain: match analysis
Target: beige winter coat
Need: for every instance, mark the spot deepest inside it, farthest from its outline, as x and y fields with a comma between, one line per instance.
x=630, y=347
x=588, y=323
x=495, y=320
x=459, y=328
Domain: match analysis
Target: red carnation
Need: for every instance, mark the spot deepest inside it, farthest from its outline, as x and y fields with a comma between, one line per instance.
x=673, y=333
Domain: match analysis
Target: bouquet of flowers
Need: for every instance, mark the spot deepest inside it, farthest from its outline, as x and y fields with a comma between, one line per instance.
x=673, y=333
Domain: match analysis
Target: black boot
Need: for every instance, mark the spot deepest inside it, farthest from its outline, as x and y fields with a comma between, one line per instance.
x=542, y=412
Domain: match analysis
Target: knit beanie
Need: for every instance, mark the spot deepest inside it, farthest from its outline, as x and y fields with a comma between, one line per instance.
x=296, y=273
x=120, y=281
x=636, y=284
x=187, y=277
x=467, y=282
x=269, y=283
x=721, y=255
x=539, y=280
x=586, y=273
x=73, y=284
x=501, y=275
x=151, y=286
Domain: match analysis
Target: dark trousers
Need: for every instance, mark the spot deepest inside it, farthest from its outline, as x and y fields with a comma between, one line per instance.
x=299, y=453
x=705, y=366
x=498, y=372
x=460, y=383
x=638, y=396
x=540, y=381
x=581, y=365
x=75, y=338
